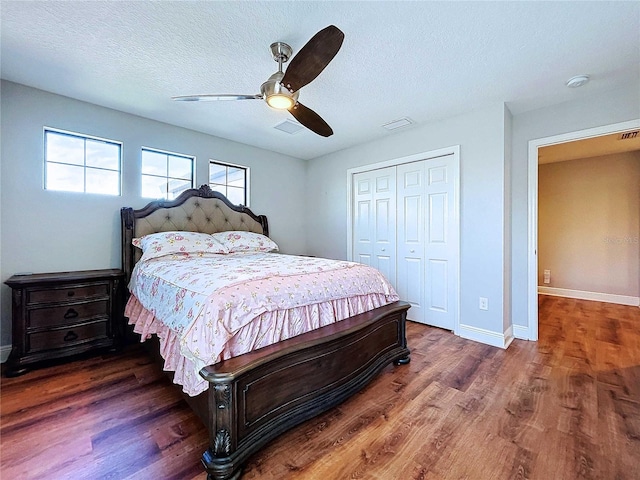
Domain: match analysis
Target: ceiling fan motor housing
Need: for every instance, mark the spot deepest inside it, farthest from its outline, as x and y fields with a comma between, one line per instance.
x=276, y=94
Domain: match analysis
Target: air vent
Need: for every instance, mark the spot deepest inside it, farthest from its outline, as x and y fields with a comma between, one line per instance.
x=289, y=127
x=401, y=122
x=629, y=135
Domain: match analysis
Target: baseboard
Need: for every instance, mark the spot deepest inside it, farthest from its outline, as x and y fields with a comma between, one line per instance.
x=595, y=296
x=495, y=339
x=521, y=332
x=5, y=350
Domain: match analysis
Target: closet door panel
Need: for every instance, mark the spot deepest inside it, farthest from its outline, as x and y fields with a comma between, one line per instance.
x=384, y=226
x=374, y=219
x=438, y=218
x=439, y=248
x=411, y=284
x=362, y=232
x=363, y=219
x=410, y=231
x=437, y=281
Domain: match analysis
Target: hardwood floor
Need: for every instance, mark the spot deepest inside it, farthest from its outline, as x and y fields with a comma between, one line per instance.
x=565, y=407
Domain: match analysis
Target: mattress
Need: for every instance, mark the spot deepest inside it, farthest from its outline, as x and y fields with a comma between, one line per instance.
x=213, y=307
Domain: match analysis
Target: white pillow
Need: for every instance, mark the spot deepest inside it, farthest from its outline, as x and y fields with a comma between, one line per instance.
x=240, y=241
x=177, y=243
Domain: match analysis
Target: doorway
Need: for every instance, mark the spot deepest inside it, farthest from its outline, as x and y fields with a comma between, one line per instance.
x=532, y=249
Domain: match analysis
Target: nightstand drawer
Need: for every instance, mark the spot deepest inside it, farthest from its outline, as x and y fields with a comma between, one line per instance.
x=67, y=314
x=67, y=294
x=68, y=336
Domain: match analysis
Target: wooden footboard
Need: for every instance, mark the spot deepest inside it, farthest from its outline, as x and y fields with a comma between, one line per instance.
x=257, y=396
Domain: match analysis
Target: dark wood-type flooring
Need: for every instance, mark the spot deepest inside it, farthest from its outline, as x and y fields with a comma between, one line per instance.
x=565, y=407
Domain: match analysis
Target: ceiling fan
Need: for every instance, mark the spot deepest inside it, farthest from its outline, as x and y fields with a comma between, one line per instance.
x=282, y=89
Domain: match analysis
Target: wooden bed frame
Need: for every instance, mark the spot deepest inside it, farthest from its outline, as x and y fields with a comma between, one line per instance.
x=257, y=396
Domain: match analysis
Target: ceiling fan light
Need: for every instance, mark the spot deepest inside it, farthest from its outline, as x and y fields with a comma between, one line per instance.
x=277, y=95
x=280, y=101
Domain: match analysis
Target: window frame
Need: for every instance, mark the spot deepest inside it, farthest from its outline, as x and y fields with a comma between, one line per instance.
x=247, y=178
x=167, y=153
x=84, y=137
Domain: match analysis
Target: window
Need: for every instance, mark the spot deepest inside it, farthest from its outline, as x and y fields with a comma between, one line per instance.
x=164, y=174
x=78, y=163
x=230, y=180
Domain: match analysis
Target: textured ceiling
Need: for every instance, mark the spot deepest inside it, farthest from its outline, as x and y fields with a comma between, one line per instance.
x=423, y=60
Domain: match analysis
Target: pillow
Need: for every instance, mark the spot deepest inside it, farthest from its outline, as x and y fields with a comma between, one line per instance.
x=167, y=243
x=239, y=241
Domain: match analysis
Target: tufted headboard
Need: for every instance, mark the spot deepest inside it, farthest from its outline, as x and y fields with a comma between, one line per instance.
x=195, y=210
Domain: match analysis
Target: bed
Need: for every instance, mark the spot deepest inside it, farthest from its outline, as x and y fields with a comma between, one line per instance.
x=251, y=398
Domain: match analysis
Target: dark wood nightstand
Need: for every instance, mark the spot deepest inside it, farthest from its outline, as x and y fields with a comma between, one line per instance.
x=56, y=315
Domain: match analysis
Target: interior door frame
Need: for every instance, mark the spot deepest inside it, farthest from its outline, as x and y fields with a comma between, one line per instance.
x=429, y=155
x=532, y=248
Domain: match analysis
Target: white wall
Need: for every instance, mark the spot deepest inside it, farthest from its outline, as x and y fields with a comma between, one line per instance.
x=493, y=209
x=47, y=231
x=605, y=109
x=481, y=136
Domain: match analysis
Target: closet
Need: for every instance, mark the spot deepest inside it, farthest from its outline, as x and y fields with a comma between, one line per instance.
x=405, y=224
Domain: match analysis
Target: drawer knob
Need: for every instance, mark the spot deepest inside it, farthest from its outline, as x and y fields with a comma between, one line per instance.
x=71, y=293
x=71, y=313
x=70, y=336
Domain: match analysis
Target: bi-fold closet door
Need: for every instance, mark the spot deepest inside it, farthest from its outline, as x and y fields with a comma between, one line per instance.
x=404, y=225
x=374, y=215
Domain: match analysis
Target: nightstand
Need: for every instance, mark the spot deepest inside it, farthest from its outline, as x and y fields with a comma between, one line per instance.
x=57, y=315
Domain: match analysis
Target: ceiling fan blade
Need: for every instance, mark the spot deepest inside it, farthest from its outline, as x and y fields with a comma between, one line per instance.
x=307, y=64
x=311, y=120
x=215, y=97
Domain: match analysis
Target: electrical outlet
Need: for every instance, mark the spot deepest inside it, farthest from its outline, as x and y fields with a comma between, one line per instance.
x=484, y=303
x=546, y=276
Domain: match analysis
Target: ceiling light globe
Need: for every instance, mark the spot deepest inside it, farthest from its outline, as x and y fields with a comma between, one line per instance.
x=281, y=102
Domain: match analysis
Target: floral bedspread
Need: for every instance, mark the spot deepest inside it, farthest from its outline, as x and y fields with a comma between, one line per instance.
x=218, y=306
